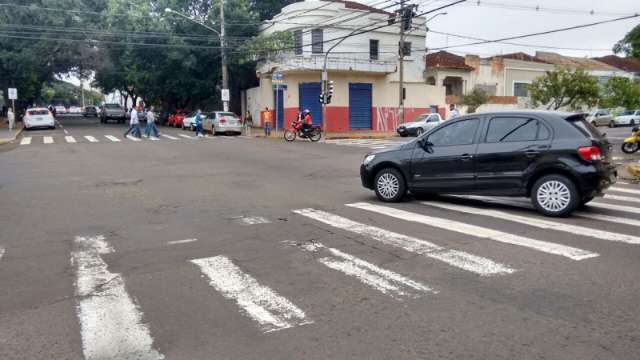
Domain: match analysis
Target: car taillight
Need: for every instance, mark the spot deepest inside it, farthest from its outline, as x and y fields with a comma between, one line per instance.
x=223, y=121
x=590, y=153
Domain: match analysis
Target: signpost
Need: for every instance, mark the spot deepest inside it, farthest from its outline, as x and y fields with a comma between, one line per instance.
x=277, y=82
x=225, y=96
x=13, y=96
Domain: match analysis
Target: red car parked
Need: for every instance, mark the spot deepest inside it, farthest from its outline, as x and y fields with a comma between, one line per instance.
x=176, y=118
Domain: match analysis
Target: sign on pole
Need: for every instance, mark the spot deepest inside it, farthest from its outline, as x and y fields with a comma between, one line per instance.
x=13, y=94
x=225, y=95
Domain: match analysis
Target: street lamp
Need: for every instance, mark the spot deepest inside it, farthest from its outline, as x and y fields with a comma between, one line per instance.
x=223, y=50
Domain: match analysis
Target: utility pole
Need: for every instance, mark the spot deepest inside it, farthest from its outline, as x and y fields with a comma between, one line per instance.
x=82, y=92
x=401, y=65
x=223, y=45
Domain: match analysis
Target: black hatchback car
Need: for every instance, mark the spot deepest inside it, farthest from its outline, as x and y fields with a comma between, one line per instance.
x=557, y=159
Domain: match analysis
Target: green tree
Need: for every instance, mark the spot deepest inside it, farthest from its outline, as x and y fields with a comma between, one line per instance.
x=563, y=87
x=473, y=100
x=630, y=44
x=621, y=92
x=266, y=9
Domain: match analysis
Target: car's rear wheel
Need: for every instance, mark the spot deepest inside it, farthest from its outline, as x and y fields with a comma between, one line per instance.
x=419, y=132
x=555, y=195
x=612, y=124
x=389, y=185
x=632, y=122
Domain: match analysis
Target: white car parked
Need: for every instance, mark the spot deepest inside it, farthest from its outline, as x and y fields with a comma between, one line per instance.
x=38, y=118
x=629, y=117
x=222, y=122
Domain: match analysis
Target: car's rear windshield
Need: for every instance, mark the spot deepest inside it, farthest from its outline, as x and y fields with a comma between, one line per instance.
x=628, y=112
x=112, y=106
x=585, y=127
x=38, y=112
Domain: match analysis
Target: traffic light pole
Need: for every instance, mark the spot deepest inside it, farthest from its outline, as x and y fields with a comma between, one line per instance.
x=401, y=65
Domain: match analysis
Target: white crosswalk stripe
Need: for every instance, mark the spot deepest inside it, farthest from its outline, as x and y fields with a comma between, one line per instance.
x=1, y=252
x=367, y=143
x=272, y=311
x=621, y=198
x=91, y=139
x=26, y=140
x=624, y=190
x=187, y=136
x=47, y=140
x=133, y=138
x=607, y=206
x=169, y=137
x=462, y=260
x=479, y=231
x=385, y=281
x=70, y=139
x=110, y=321
x=540, y=223
x=607, y=218
x=112, y=138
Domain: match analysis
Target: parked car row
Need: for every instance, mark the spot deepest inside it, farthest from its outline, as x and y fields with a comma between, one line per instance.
x=603, y=117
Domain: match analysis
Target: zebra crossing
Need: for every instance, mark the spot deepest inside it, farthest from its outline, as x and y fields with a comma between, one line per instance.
x=109, y=138
x=368, y=143
x=113, y=324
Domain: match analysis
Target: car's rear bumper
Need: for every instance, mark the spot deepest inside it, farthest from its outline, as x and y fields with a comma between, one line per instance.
x=595, y=180
x=229, y=128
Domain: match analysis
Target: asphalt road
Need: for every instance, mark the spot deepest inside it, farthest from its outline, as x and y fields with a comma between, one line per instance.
x=238, y=248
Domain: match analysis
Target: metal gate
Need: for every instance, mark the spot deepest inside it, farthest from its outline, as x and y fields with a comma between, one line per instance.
x=360, y=106
x=310, y=99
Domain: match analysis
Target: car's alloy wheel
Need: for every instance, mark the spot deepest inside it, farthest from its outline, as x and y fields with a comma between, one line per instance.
x=389, y=185
x=555, y=195
x=612, y=124
x=632, y=122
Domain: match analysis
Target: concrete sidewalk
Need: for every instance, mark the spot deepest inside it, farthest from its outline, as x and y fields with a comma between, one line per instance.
x=5, y=135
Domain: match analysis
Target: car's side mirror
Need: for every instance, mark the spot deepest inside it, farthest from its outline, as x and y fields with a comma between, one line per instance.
x=426, y=145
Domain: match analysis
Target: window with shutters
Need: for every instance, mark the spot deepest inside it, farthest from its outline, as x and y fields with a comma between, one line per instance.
x=316, y=41
x=373, y=49
x=297, y=42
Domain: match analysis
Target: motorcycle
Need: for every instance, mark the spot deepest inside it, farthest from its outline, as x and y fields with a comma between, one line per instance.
x=313, y=133
x=632, y=143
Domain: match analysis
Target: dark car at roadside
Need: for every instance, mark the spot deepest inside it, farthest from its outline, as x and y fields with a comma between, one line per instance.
x=559, y=160
x=90, y=111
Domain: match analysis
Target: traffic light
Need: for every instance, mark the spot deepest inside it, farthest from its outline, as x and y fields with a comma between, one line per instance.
x=407, y=18
x=321, y=98
x=329, y=91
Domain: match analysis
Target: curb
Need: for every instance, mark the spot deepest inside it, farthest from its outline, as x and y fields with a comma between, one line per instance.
x=7, y=141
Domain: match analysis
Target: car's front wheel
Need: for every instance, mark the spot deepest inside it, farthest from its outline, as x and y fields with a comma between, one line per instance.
x=389, y=185
x=612, y=124
x=419, y=132
x=555, y=195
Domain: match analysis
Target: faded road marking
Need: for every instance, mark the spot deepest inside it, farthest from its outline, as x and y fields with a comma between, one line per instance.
x=185, y=241
x=110, y=321
x=112, y=138
x=272, y=311
x=624, y=190
x=462, y=260
x=133, y=138
x=385, y=281
x=48, y=140
x=70, y=139
x=253, y=220
x=187, y=136
x=26, y=140
x=91, y=139
x=169, y=137
x=479, y=231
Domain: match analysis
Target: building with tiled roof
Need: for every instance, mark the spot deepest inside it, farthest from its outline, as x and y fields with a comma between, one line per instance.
x=627, y=64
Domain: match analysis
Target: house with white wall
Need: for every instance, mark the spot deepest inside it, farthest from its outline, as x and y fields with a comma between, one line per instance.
x=363, y=67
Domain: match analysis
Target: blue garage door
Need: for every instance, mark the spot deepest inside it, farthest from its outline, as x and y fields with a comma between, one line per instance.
x=278, y=96
x=310, y=99
x=359, y=106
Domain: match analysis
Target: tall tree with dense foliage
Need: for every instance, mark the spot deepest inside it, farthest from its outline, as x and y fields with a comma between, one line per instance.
x=563, y=87
x=630, y=44
x=621, y=92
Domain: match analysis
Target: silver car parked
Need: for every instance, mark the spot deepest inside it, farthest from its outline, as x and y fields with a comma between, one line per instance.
x=601, y=117
x=419, y=125
x=222, y=122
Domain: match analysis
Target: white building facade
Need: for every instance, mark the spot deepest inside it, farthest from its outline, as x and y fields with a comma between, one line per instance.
x=364, y=67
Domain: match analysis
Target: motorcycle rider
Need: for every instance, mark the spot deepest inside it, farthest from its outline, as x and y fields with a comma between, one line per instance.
x=307, y=121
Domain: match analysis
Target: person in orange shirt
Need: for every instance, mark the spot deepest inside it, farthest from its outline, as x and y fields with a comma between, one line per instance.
x=268, y=121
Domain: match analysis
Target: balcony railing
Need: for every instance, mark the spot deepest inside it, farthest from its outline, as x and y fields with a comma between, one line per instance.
x=290, y=62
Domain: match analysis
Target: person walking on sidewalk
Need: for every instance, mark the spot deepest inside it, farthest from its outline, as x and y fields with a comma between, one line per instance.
x=133, y=124
x=151, y=125
x=248, y=123
x=11, y=118
x=198, y=119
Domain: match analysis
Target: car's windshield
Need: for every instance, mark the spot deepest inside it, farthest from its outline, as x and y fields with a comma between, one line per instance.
x=420, y=118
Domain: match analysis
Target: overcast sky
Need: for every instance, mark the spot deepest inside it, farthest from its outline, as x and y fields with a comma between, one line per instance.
x=490, y=22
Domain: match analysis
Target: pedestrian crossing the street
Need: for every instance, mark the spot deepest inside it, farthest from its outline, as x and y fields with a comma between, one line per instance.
x=367, y=143
x=114, y=325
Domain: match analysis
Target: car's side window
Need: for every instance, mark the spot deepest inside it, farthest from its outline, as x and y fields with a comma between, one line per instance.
x=512, y=129
x=433, y=118
x=459, y=133
x=543, y=131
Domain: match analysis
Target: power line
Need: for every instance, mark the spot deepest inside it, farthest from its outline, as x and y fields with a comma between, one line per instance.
x=539, y=33
x=539, y=8
x=514, y=44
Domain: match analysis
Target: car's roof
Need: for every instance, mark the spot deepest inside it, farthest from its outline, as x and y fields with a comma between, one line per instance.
x=561, y=114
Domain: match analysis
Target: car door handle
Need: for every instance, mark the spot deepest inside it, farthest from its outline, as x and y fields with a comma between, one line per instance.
x=466, y=157
x=532, y=153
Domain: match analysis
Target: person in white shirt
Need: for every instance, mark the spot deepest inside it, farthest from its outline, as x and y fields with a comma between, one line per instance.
x=133, y=123
x=453, y=112
x=151, y=124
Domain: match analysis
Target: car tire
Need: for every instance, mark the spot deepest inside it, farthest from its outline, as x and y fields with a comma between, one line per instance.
x=555, y=196
x=612, y=124
x=594, y=123
x=419, y=132
x=632, y=122
x=389, y=185
x=403, y=135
